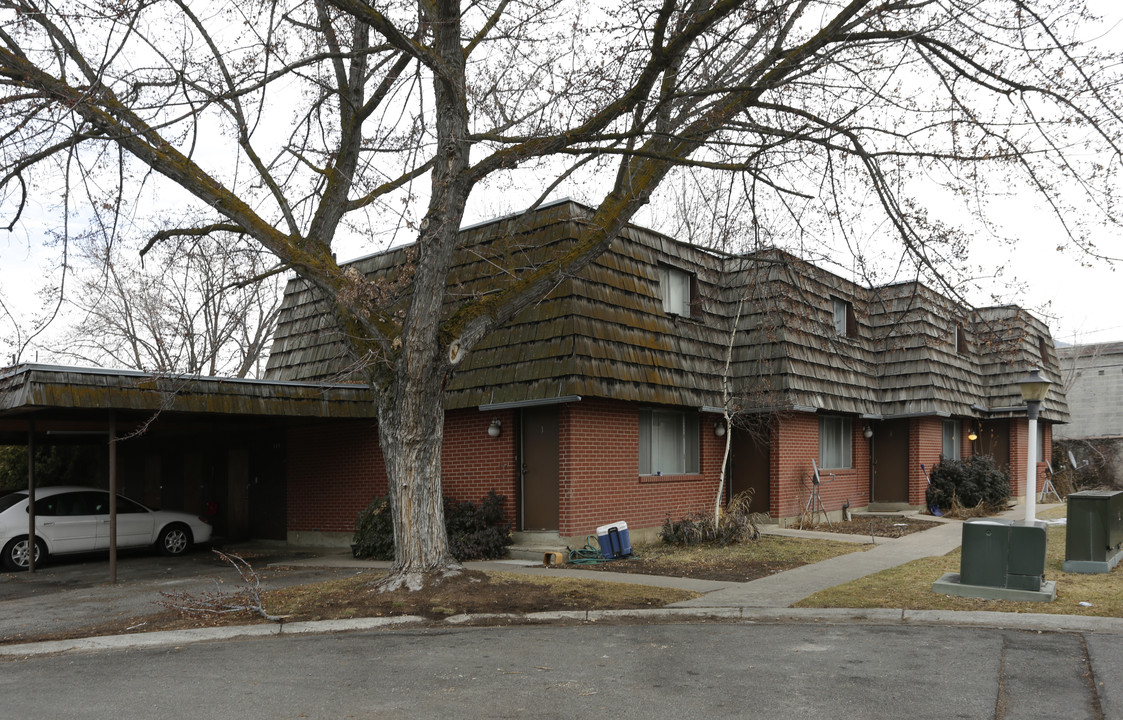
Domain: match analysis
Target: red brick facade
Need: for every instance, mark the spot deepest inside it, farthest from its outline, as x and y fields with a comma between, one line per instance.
x=334, y=470
x=1019, y=444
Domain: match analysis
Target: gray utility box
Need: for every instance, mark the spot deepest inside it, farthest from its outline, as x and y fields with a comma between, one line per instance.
x=998, y=553
x=1094, y=530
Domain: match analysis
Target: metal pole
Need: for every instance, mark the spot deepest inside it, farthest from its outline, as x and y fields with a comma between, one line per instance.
x=112, y=497
x=1032, y=407
x=30, y=496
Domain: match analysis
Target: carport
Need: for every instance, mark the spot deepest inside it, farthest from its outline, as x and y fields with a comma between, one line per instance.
x=211, y=446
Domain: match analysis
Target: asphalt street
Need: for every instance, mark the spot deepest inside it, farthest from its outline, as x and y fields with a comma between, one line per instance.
x=712, y=670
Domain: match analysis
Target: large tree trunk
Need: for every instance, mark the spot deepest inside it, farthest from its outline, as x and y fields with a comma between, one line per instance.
x=411, y=431
x=411, y=418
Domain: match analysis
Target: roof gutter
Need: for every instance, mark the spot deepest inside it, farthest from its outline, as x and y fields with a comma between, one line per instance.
x=515, y=404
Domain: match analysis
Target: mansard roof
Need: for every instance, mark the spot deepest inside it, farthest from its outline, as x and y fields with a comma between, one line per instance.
x=907, y=349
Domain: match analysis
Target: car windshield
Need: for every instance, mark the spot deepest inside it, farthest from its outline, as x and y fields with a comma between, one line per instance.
x=9, y=500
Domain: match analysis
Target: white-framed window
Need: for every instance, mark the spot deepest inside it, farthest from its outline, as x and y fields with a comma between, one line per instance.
x=951, y=445
x=668, y=442
x=676, y=288
x=842, y=315
x=835, y=441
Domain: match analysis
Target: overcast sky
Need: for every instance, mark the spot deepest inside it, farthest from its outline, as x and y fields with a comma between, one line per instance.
x=1077, y=296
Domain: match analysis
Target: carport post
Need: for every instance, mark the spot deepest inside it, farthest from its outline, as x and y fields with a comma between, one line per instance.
x=112, y=497
x=30, y=496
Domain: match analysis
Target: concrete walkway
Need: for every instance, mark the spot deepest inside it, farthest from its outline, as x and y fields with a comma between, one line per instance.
x=780, y=590
x=767, y=599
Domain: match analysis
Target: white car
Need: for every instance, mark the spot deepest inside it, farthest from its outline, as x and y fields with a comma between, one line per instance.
x=76, y=519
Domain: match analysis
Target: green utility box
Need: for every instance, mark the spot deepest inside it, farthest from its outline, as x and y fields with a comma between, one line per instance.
x=1000, y=554
x=1094, y=531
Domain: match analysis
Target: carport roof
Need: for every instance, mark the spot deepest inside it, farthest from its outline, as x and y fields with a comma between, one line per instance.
x=31, y=388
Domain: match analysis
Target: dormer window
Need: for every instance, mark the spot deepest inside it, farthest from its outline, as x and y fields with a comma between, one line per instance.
x=960, y=340
x=845, y=324
x=677, y=288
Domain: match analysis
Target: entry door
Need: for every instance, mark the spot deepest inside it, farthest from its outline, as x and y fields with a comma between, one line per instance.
x=891, y=462
x=994, y=440
x=750, y=468
x=539, y=469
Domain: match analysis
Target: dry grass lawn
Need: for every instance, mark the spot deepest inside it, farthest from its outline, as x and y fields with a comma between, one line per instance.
x=910, y=587
x=740, y=563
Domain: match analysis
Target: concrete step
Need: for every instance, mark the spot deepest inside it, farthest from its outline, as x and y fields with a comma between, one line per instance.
x=525, y=552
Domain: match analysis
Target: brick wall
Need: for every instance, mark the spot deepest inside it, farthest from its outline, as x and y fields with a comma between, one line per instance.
x=1019, y=444
x=926, y=443
x=599, y=480
x=335, y=470
x=794, y=444
x=473, y=462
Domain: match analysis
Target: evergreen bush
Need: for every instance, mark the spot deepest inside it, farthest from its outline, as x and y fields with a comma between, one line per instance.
x=475, y=531
x=973, y=482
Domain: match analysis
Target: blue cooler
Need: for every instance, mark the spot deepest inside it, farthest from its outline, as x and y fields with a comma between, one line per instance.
x=613, y=540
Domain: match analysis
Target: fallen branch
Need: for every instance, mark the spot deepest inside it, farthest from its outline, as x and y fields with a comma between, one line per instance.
x=245, y=598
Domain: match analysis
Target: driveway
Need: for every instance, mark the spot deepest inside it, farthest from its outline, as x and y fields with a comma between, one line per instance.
x=74, y=591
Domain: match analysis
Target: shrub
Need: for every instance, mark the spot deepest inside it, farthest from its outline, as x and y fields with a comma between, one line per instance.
x=970, y=483
x=374, y=531
x=737, y=524
x=475, y=531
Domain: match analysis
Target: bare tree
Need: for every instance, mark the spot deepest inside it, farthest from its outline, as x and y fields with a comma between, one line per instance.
x=397, y=112
x=197, y=306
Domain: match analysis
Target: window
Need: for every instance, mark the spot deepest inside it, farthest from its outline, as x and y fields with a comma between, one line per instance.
x=1041, y=442
x=960, y=340
x=677, y=289
x=951, y=440
x=668, y=442
x=834, y=441
x=842, y=312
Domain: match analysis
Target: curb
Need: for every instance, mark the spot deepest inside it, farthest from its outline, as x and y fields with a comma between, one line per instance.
x=1039, y=622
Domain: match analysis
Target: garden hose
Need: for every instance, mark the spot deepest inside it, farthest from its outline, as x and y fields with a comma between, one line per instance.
x=588, y=555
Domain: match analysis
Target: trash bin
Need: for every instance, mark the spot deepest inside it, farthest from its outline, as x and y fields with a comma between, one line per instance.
x=614, y=541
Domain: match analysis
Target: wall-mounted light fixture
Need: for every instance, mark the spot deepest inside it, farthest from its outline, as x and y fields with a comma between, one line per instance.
x=495, y=428
x=972, y=435
x=868, y=432
x=719, y=428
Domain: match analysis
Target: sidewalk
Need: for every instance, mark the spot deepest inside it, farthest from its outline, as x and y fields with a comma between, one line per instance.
x=766, y=599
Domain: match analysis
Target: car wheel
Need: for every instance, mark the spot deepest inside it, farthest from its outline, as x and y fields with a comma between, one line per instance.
x=16, y=555
x=174, y=540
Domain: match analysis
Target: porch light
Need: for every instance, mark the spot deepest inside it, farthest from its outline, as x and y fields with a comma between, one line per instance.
x=1034, y=388
x=719, y=429
x=495, y=428
x=972, y=436
x=868, y=432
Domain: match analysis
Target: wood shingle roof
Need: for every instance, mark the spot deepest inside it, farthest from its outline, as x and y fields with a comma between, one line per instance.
x=908, y=350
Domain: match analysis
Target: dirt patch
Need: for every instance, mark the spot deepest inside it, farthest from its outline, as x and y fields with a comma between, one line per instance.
x=883, y=527
x=470, y=592
x=733, y=569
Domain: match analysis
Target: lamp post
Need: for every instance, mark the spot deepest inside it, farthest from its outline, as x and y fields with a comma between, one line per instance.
x=1033, y=387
